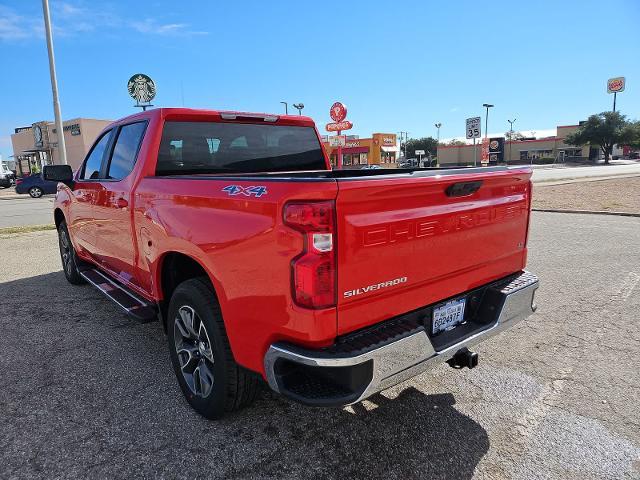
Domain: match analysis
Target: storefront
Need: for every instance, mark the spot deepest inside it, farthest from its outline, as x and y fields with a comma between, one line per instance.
x=36, y=145
x=532, y=150
x=381, y=149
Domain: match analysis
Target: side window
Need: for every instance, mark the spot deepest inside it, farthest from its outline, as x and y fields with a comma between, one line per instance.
x=94, y=161
x=126, y=150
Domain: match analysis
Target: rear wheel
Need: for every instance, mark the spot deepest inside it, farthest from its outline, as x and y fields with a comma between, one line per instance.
x=35, y=192
x=210, y=379
x=68, y=256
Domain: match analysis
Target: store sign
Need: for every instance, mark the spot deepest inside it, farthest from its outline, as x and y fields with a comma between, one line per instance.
x=355, y=143
x=473, y=127
x=484, y=159
x=496, y=149
x=337, y=141
x=337, y=126
x=389, y=140
x=338, y=112
x=74, y=128
x=37, y=136
x=615, y=85
x=141, y=88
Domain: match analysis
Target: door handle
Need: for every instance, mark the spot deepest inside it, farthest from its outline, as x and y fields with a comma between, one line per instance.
x=122, y=203
x=462, y=189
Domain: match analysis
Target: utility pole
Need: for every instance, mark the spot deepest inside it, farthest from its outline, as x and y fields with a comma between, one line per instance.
x=405, y=143
x=286, y=108
x=62, y=149
x=511, y=122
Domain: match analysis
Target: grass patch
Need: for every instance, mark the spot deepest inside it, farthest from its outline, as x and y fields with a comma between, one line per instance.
x=26, y=229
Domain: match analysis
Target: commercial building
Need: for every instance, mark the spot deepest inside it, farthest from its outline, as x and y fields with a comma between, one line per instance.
x=37, y=145
x=534, y=150
x=381, y=149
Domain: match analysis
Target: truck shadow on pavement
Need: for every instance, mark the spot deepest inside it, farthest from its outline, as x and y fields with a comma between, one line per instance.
x=100, y=399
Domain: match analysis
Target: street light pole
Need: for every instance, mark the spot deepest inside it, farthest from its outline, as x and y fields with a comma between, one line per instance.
x=486, y=120
x=299, y=107
x=511, y=122
x=438, y=125
x=62, y=149
x=286, y=108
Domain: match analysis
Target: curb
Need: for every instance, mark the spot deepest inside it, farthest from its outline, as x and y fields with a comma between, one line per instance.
x=587, y=212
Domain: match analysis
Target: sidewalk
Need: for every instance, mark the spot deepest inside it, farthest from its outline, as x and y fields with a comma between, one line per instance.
x=557, y=173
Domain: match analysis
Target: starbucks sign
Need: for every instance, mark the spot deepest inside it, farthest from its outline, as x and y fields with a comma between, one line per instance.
x=141, y=88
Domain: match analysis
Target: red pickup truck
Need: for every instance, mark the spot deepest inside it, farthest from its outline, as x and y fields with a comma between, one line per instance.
x=262, y=262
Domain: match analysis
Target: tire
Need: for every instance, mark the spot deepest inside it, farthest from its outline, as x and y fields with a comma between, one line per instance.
x=68, y=256
x=35, y=192
x=210, y=379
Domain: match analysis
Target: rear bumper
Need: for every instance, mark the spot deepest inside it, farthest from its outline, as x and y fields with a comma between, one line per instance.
x=367, y=362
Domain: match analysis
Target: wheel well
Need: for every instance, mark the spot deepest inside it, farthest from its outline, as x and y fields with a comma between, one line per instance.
x=58, y=216
x=176, y=268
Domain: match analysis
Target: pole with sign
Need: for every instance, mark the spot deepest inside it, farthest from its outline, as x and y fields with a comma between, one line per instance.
x=419, y=153
x=338, y=113
x=615, y=85
x=142, y=89
x=473, y=128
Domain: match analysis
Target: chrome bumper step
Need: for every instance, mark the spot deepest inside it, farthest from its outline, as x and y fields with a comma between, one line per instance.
x=389, y=353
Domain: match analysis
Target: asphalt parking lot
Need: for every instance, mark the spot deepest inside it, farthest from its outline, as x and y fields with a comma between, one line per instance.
x=24, y=210
x=86, y=393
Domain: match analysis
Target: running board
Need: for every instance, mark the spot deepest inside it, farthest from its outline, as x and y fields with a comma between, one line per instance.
x=135, y=307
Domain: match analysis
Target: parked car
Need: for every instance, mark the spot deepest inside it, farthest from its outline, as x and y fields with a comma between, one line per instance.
x=35, y=186
x=262, y=262
x=7, y=177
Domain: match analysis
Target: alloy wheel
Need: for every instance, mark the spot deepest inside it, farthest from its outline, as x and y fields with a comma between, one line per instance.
x=65, y=251
x=194, y=351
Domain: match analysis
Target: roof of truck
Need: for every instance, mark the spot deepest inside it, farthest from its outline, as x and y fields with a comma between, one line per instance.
x=197, y=114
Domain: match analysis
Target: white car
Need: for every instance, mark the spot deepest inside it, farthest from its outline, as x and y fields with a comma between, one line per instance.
x=6, y=176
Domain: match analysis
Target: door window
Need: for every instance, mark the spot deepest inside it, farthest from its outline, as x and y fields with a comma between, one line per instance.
x=126, y=150
x=94, y=160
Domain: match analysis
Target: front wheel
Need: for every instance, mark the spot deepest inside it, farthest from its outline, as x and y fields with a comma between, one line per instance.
x=211, y=381
x=35, y=192
x=68, y=256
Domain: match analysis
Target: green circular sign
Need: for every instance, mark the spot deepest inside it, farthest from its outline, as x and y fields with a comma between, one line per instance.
x=141, y=88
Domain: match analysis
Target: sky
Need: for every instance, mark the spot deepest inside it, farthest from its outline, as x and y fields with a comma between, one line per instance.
x=398, y=66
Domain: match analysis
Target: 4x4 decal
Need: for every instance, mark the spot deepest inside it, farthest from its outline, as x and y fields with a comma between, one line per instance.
x=256, y=191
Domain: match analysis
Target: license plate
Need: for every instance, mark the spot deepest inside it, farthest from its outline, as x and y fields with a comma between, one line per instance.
x=448, y=315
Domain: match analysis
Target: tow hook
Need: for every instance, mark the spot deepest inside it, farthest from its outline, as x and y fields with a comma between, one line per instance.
x=464, y=358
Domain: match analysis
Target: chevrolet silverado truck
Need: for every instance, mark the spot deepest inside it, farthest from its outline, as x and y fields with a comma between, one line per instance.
x=262, y=262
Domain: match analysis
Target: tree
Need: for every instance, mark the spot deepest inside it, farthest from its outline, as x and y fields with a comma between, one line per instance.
x=515, y=135
x=633, y=134
x=605, y=130
x=428, y=144
x=453, y=142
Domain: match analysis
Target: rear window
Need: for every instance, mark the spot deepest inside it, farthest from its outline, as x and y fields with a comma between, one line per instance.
x=212, y=147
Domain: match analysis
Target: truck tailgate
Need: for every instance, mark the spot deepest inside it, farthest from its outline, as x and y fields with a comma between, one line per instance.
x=409, y=240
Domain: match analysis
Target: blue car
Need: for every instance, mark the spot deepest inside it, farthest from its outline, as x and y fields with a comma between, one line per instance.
x=35, y=186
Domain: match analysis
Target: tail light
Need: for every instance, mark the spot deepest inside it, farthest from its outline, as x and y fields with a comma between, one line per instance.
x=19, y=181
x=313, y=272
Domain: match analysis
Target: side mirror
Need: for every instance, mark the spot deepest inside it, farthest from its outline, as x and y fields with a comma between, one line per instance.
x=58, y=173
